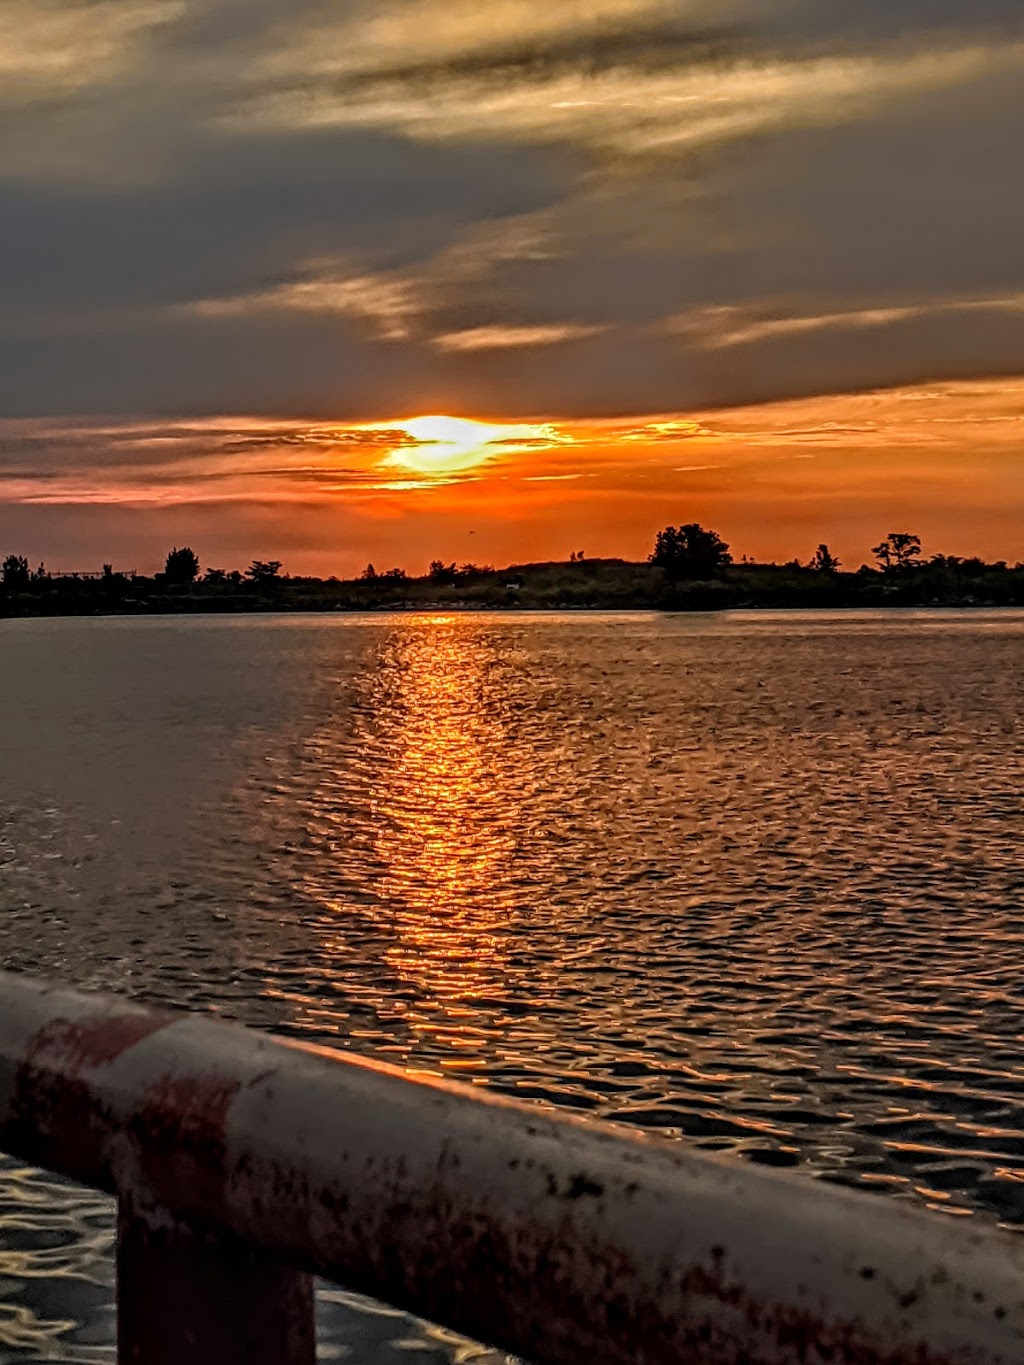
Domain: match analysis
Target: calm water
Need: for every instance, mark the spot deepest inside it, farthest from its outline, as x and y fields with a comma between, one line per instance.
x=754, y=881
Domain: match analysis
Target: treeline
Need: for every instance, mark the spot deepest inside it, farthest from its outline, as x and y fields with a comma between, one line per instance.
x=698, y=569
x=690, y=568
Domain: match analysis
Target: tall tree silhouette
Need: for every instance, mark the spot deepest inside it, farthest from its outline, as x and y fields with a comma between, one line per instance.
x=182, y=566
x=15, y=573
x=690, y=551
x=264, y=572
x=898, y=552
x=823, y=560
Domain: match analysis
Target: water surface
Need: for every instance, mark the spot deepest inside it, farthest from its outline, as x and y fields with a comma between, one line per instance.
x=753, y=881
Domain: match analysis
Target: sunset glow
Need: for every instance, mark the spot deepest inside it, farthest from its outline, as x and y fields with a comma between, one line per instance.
x=339, y=284
x=774, y=479
x=446, y=445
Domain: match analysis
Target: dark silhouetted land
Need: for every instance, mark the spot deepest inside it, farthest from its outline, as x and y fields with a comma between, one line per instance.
x=597, y=584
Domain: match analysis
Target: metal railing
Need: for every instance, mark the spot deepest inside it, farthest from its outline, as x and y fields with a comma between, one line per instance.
x=245, y=1164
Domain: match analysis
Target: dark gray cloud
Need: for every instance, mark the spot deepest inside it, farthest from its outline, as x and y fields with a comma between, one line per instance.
x=288, y=366
x=299, y=208
x=240, y=218
x=809, y=20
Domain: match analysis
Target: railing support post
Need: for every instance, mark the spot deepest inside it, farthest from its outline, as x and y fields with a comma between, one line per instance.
x=186, y=1295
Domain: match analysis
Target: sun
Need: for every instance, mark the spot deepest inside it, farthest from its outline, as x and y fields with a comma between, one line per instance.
x=447, y=443
x=455, y=431
x=441, y=445
x=444, y=445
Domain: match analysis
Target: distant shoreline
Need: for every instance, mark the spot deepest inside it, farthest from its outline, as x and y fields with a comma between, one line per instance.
x=512, y=608
x=578, y=585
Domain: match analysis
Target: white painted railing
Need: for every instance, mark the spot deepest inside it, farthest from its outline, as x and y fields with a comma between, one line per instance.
x=244, y=1164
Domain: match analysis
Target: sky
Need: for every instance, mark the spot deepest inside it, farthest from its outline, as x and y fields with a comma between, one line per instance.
x=750, y=262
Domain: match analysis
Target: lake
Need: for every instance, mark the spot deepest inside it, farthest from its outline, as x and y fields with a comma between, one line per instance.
x=751, y=880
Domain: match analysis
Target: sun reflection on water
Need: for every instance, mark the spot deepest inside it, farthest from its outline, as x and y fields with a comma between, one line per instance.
x=444, y=835
x=437, y=895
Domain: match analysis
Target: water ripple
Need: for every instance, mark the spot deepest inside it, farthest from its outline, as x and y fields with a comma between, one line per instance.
x=752, y=882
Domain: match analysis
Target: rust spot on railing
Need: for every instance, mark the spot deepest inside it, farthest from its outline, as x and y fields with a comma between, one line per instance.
x=86, y=1044
x=704, y=1313
x=53, y=1092
x=180, y=1132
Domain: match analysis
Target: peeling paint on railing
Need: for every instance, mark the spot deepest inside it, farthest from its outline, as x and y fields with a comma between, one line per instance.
x=243, y=1164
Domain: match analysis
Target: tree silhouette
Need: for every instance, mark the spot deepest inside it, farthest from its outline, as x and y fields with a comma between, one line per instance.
x=182, y=566
x=690, y=551
x=263, y=572
x=823, y=560
x=898, y=552
x=15, y=573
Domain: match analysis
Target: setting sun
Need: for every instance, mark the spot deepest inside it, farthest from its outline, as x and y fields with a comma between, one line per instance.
x=443, y=445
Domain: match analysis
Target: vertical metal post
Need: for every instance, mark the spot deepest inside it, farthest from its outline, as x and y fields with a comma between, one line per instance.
x=186, y=1295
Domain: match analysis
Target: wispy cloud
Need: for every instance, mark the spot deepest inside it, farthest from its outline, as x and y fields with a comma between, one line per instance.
x=226, y=457
x=390, y=304
x=53, y=48
x=226, y=460
x=725, y=326
x=637, y=101
x=415, y=302
x=620, y=77
x=498, y=337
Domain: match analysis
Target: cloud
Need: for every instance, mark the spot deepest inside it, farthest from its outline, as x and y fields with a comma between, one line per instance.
x=228, y=457
x=503, y=338
x=717, y=328
x=227, y=460
x=347, y=209
x=51, y=48
x=664, y=98
x=400, y=303
x=391, y=304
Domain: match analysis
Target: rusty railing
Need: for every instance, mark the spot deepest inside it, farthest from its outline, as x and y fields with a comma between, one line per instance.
x=244, y=1164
